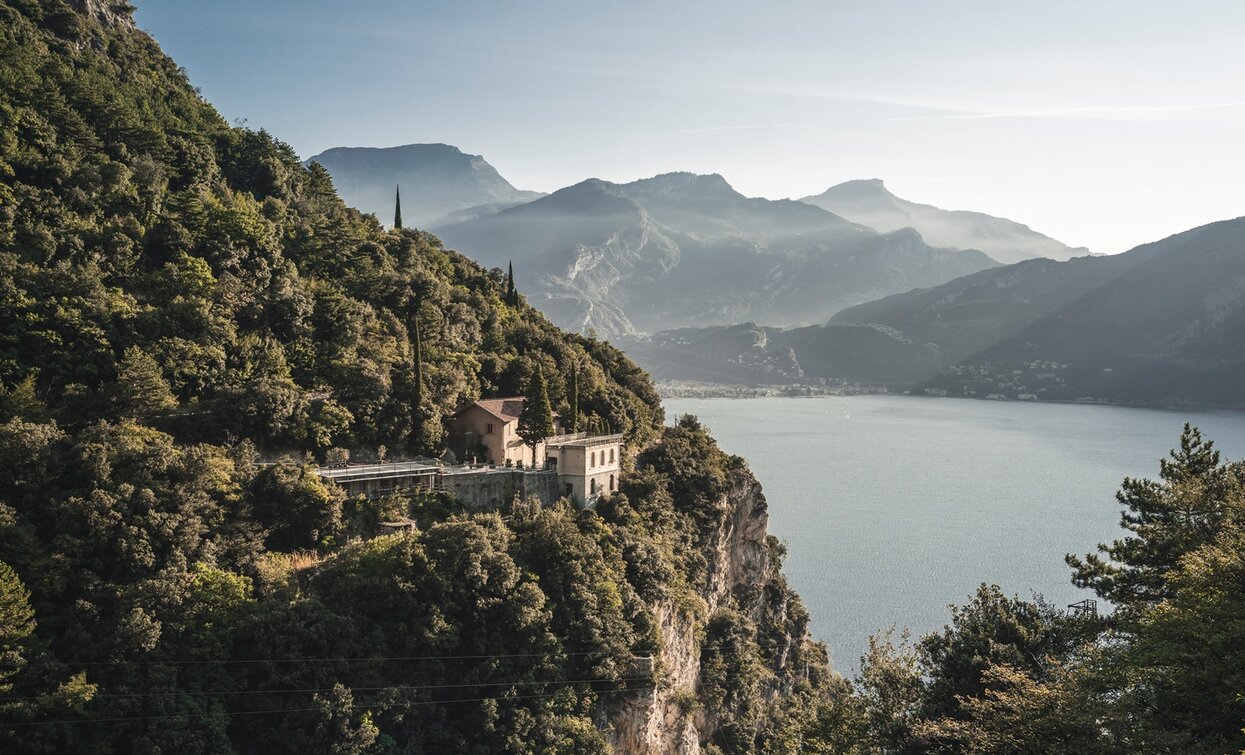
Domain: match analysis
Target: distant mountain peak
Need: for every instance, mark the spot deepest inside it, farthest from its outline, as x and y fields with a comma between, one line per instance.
x=859, y=195
x=592, y=195
x=868, y=202
x=870, y=187
x=437, y=180
x=681, y=185
x=872, y=184
x=685, y=248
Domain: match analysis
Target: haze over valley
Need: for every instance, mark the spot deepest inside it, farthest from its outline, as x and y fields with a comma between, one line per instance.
x=681, y=249
x=1160, y=324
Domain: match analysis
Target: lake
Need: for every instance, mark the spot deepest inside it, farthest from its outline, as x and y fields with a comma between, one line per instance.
x=893, y=507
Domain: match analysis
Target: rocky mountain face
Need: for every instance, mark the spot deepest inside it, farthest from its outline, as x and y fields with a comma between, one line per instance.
x=106, y=12
x=869, y=203
x=741, y=563
x=680, y=250
x=1162, y=323
x=436, y=179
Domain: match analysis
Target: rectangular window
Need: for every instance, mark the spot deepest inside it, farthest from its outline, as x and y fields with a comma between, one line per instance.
x=488, y=429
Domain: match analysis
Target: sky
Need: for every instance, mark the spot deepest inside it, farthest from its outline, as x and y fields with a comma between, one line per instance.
x=1105, y=124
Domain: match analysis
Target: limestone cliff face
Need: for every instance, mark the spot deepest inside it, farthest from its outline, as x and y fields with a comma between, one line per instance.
x=107, y=12
x=742, y=572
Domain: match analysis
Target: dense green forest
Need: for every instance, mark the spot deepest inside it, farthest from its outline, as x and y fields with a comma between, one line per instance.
x=182, y=301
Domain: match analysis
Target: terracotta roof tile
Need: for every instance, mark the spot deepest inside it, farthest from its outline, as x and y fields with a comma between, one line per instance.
x=507, y=409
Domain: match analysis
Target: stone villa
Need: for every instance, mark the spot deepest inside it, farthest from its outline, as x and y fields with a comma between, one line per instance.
x=495, y=463
x=488, y=430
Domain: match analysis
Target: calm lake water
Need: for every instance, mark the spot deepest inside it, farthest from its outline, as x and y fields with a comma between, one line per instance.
x=893, y=507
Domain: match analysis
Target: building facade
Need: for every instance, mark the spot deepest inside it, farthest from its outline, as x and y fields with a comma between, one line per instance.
x=488, y=431
x=581, y=467
x=589, y=466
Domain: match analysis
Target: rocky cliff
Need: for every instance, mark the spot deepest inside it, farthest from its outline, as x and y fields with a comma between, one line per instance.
x=743, y=584
x=106, y=12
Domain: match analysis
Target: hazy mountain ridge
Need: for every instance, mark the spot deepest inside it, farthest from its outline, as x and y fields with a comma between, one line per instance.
x=1163, y=323
x=436, y=179
x=681, y=249
x=870, y=203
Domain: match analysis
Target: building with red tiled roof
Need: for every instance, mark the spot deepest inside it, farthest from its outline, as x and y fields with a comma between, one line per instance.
x=488, y=430
x=505, y=409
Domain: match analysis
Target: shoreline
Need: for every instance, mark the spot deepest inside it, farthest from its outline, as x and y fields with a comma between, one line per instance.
x=742, y=392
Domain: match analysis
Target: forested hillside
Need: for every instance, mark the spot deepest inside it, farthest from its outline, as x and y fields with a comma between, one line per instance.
x=159, y=264
x=181, y=300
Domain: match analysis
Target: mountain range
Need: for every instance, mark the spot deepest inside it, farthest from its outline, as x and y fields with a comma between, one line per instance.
x=436, y=179
x=681, y=249
x=869, y=203
x=1162, y=323
x=686, y=250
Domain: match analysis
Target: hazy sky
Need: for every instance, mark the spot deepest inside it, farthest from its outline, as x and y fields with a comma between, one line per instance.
x=1104, y=124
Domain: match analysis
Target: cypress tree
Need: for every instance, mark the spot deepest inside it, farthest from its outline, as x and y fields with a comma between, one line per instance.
x=512, y=296
x=419, y=359
x=413, y=304
x=573, y=400
x=536, y=419
x=397, y=208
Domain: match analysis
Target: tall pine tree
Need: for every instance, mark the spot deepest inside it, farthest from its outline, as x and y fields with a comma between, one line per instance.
x=512, y=295
x=536, y=419
x=397, y=208
x=1167, y=520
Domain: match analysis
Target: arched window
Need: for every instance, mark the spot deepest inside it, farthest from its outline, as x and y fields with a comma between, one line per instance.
x=594, y=459
x=592, y=487
x=611, y=456
x=611, y=483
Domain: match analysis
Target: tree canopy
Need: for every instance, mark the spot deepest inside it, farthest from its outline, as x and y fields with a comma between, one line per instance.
x=536, y=420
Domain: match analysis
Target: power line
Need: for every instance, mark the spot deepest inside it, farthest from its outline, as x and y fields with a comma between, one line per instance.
x=306, y=710
x=363, y=659
x=382, y=688
x=371, y=706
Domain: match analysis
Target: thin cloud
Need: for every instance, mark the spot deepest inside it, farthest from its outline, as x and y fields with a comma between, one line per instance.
x=951, y=110
x=1088, y=113
x=741, y=127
